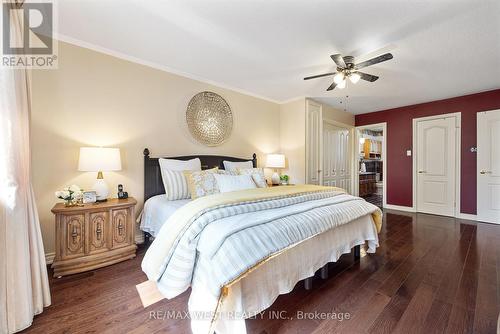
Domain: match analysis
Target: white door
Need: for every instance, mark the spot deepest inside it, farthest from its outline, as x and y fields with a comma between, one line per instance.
x=488, y=166
x=314, y=124
x=336, y=157
x=436, y=151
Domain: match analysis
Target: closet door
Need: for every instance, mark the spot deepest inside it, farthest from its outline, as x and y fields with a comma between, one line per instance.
x=336, y=157
x=488, y=166
x=314, y=124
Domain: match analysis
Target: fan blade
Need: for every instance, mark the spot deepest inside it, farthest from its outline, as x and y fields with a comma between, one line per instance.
x=367, y=77
x=337, y=58
x=373, y=61
x=319, y=75
x=332, y=86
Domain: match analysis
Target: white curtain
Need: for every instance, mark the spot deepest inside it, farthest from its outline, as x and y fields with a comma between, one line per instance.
x=24, y=288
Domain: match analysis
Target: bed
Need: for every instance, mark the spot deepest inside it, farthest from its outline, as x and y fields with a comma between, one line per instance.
x=239, y=251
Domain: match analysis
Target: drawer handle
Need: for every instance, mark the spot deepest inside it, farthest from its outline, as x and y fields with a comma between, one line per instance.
x=120, y=228
x=98, y=231
x=74, y=233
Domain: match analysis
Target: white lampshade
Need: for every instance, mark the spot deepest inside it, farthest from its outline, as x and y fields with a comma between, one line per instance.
x=99, y=159
x=342, y=85
x=338, y=78
x=354, y=77
x=275, y=161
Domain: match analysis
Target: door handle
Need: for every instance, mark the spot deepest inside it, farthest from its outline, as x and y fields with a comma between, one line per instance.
x=422, y=172
x=485, y=172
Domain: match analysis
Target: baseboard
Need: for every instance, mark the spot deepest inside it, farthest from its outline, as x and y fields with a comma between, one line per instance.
x=49, y=257
x=400, y=208
x=139, y=238
x=467, y=216
x=411, y=209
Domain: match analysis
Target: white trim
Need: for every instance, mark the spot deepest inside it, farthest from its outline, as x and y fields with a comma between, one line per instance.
x=399, y=208
x=308, y=137
x=458, y=158
x=49, y=257
x=120, y=55
x=467, y=216
x=293, y=99
x=384, y=159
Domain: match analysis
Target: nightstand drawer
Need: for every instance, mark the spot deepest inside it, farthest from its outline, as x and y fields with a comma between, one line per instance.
x=72, y=236
x=121, y=228
x=98, y=230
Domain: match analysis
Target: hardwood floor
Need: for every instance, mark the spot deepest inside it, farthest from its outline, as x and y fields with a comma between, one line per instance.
x=431, y=274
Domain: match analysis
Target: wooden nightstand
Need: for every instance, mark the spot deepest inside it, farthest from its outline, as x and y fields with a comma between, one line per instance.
x=93, y=235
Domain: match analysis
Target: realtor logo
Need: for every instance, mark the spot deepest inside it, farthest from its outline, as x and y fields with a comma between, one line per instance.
x=27, y=35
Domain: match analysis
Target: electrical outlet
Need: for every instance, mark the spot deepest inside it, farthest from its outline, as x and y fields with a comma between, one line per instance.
x=408, y=153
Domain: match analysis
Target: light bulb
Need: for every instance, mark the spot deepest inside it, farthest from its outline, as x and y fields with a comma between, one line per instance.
x=342, y=84
x=338, y=78
x=354, y=77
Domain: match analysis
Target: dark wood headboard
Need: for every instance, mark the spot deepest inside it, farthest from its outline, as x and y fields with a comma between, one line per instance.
x=153, y=184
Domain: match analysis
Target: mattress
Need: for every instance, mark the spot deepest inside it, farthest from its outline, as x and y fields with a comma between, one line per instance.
x=156, y=212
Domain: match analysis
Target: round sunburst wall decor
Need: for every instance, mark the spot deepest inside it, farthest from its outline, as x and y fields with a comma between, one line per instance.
x=209, y=118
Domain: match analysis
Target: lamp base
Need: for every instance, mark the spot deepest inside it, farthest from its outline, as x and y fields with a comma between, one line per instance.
x=275, y=178
x=101, y=189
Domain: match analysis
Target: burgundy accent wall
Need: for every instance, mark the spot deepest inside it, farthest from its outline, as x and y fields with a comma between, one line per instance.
x=399, y=139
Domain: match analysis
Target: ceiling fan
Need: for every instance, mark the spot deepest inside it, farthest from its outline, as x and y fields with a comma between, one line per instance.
x=347, y=69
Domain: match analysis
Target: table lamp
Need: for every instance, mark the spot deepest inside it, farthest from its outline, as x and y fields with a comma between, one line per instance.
x=275, y=161
x=99, y=159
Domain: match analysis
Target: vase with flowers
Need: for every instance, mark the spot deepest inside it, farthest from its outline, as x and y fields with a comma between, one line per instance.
x=71, y=195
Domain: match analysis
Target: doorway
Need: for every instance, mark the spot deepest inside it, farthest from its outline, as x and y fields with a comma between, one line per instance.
x=371, y=165
x=488, y=166
x=436, y=164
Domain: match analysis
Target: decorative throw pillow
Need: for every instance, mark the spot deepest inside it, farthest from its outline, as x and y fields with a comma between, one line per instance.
x=227, y=183
x=227, y=172
x=174, y=181
x=257, y=175
x=202, y=183
x=233, y=165
x=176, y=186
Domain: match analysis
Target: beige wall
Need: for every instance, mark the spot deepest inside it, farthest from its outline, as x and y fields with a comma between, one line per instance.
x=332, y=114
x=98, y=100
x=293, y=139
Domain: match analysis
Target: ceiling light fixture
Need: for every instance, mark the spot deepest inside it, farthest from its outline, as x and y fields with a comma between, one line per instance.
x=339, y=78
x=342, y=84
x=354, y=77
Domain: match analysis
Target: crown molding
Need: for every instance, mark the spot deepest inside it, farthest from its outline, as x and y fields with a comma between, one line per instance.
x=120, y=55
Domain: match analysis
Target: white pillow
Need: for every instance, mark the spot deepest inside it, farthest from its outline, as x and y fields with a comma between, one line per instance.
x=174, y=181
x=180, y=165
x=233, y=166
x=257, y=175
x=229, y=183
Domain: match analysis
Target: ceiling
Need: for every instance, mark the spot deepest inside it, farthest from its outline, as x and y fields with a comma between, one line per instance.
x=266, y=47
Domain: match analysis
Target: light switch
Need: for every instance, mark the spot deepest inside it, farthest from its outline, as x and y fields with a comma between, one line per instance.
x=408, y=153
